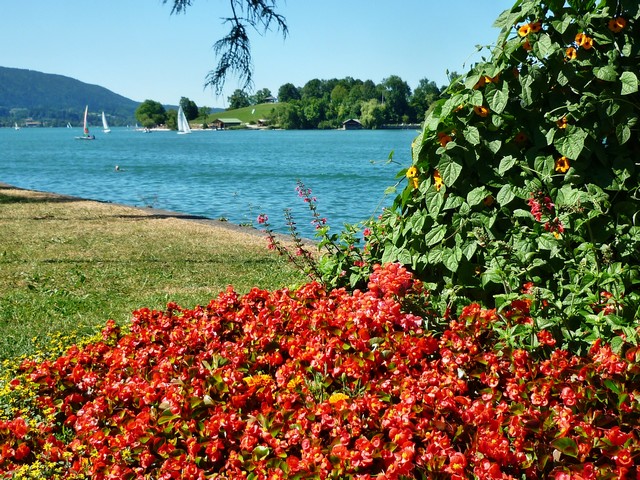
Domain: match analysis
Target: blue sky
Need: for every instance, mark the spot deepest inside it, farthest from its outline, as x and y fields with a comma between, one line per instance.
x=137, y=49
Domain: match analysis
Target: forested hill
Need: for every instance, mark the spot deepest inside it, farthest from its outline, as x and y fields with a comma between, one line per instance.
x=56, y=99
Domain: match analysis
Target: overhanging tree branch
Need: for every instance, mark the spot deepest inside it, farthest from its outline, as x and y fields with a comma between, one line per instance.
x=234, y=49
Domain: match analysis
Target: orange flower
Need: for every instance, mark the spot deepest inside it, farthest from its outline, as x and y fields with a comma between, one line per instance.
x=616, y=24
x=562, y=123
x=481, y=111
x=562, y=164
x=520, y=138
x=437, y=180
x=524, y=30
x=459, y=107
x=444, y=138
x=584, y=41
x=571, y=54
x=535, y=27
x=488, y=201
x=526, y=45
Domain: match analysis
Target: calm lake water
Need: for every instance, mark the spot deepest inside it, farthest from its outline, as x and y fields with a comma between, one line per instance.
x=234, y=175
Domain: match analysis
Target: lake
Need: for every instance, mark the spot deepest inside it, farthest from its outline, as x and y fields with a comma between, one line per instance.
x=231, y=174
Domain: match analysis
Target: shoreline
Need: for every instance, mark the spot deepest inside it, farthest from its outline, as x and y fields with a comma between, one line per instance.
x=153, y=212
x=159, y=213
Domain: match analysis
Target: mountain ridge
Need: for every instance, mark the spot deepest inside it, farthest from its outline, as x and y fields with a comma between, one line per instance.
x=54, y=99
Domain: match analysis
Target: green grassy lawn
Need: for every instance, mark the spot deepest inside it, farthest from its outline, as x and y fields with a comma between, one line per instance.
x=69, y=265
x=247, y=115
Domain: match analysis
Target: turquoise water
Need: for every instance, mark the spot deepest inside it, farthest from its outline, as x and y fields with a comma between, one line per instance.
x=235, y=175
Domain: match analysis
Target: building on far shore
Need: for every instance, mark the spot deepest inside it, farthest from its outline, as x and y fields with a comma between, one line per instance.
x=222, y=123
x=351, y=124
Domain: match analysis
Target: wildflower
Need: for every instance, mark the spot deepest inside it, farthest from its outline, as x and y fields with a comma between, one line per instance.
x=488, y=201
x=535, y=27
x=524, y=30
x=527, y=45
x=555, y=226
x=481, y=111
x=366, y=232
x=437, y=180
x=262, y=219
x=571, y=54
x=520, y=138
x=616, y=24
x=443, y=138
x=562, y=123
x=412, y=172
x=584, y=41
x=562, y=164
x=415, y=183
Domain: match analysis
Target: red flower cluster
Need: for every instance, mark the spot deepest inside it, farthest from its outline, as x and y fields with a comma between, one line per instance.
x=317, y=384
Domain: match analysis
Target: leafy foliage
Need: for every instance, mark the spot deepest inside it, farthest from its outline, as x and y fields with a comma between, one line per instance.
x=527, y=174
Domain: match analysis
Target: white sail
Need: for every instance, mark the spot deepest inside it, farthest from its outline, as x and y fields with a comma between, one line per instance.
x=15, y=126
x=183, y=124
x=105, y=125
x=85, y=127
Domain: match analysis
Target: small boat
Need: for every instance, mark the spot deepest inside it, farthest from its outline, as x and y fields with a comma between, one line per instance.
x=87, y=135
x=15, y=126
x=68, y=125
x=183, y=124
x=105, y=125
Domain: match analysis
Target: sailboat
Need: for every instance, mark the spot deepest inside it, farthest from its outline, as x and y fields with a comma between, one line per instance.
x=15, y=126
x=86, y=135
x=68, y=125
x=183, y=124
x=105, y=125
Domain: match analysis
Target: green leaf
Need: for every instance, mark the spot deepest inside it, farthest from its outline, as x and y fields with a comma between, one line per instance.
x=261, y=452
x=476, y=196
x=472, y=135
x=629, y=83
x=434, y=201
x=435, y=235
x=562, y=24
x=494, y=146
x=451, y=259
x=476, y=98
x=566, y=445
x=505, y=195
x=606, y=73
x=469, y=249
x=497, y=99
x=623, y=133
x=571, y=145
x=544, y=46
x=506, y=163
x=449, y=170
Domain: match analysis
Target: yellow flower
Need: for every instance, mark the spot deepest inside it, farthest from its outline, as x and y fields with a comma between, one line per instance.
x=524, y=30
x=562, y=123
x=562, y=164
x=337, y=397
x=571, y=53
x=412, y=172
x=481, y=111
x=415, y=183
x=257, y=380
x=616, y=24
x=437, y=180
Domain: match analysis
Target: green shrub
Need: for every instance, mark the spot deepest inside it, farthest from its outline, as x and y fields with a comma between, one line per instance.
x=525, y=179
